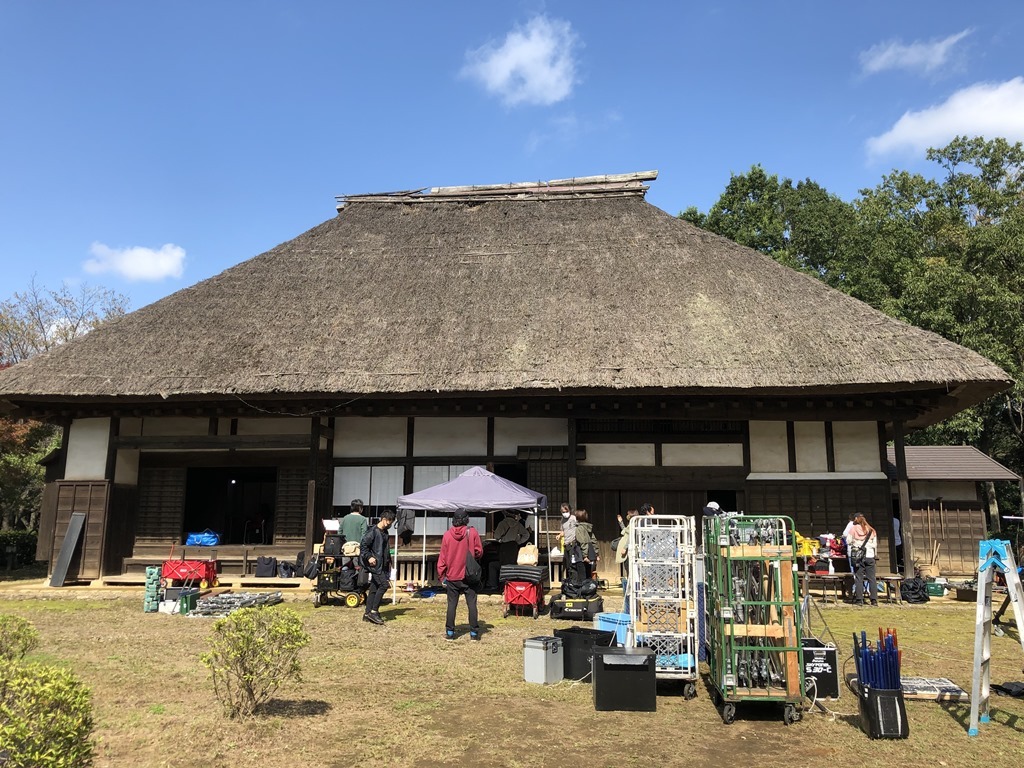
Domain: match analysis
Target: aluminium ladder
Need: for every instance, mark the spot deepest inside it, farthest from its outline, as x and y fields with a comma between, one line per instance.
x=993, y=555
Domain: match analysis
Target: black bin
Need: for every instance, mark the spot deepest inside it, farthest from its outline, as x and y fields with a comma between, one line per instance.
x=578, y=644
x=883, y=715
x=625, y=680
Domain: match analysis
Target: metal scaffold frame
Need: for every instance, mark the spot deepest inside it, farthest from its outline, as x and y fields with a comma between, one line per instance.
x=753, y=612
x=663, y=594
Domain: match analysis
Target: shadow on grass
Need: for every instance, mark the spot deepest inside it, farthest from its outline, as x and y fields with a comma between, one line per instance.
x=962, y=714
x=290, y=708
x=35, y=572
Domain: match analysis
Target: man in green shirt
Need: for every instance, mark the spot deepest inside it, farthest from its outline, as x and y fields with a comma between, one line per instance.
x=354, y=525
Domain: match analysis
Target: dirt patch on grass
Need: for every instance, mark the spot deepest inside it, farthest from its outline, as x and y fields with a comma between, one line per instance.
x=399, y=695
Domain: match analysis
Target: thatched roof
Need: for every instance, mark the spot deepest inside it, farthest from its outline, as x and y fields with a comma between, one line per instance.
x=574, y=286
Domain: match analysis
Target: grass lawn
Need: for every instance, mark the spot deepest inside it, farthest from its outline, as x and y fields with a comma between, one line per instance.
x=399, y=695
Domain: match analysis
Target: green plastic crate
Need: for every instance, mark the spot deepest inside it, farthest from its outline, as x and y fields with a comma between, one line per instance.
x=936, y=590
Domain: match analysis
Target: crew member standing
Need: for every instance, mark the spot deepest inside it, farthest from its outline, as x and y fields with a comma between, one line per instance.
x=375, y=554
x=459, y=542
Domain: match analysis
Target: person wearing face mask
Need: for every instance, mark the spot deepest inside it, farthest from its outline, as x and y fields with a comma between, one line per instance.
x=568, y=539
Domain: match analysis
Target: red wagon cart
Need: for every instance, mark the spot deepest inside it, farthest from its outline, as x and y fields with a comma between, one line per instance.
x=200, y=572
x=523, y=587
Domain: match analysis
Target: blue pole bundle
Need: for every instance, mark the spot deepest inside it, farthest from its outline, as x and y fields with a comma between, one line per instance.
x=879, y=666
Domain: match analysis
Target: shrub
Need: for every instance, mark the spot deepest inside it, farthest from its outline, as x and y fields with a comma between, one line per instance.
x=45, y=717
x=17, y=637
x=253, y=651
x=24, y=542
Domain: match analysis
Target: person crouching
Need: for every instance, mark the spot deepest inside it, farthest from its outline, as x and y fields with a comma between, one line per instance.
x=458, y=542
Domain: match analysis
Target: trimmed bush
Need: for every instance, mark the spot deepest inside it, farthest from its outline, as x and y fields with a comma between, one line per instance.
x=17, y=637
x=253, y=651
x=23, y=541
x=45, y=717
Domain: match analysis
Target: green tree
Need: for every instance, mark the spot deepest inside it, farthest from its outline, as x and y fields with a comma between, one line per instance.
x=945, y=254
x=34, y=321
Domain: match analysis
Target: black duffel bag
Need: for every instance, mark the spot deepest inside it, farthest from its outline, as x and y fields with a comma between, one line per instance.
x=914, y=590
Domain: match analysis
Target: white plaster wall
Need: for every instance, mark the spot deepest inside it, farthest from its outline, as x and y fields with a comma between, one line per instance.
x=948, y=490
x=356, y=436
x=126, y=470
x=811, y=455
x=702, y=455
x=274, y=425
x=170, y=426
x=351, y=483
x=769, y=446
x=87, y=449
x=619, y=455
x=509, y=434
x=439, y=436
x=856, y=446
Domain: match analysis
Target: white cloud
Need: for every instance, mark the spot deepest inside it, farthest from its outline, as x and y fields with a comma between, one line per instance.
x=535, y=65
x=917, y=56
x=137, y=263
x=983, y=109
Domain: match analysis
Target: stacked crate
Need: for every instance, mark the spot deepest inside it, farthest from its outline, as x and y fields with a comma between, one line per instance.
x=151, y=602
x=663, y=594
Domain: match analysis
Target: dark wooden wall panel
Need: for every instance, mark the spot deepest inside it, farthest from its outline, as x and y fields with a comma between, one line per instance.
x=290, y=513
x=819, y=507
x=90, y=497
x=161, y=505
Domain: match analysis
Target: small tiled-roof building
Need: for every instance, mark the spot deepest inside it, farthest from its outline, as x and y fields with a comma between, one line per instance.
x=948, y=503
x=568, y=333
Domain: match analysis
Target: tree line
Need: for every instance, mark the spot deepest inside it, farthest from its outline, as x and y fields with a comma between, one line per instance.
x=945, y=254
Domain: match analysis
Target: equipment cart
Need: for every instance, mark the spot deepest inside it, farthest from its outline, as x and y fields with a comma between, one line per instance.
x=347, y=584
x=753, y=613
x=522, y=587
x=662, y=592
x=200, y=573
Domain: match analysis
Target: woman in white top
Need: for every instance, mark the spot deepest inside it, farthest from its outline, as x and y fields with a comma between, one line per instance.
x=864, y=544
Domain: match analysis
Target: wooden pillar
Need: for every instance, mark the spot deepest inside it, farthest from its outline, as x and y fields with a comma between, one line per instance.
x=903, y=484
x=571, y=463
x=311, y=477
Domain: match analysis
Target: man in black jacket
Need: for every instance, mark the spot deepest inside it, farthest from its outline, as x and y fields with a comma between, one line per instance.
x=375, y=553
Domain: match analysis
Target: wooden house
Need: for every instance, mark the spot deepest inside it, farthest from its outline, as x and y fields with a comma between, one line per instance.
x=568, y=334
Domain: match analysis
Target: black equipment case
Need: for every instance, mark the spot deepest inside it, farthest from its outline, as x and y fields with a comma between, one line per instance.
x=577, y=608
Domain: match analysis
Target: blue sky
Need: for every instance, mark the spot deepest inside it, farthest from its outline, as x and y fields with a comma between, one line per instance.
x=149, y=146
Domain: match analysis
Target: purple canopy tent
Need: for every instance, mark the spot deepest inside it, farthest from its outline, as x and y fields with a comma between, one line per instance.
x=475, y=490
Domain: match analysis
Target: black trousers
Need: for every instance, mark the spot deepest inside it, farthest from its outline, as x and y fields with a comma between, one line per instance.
x=865, y=570
x=456, y=588
x=379, y=585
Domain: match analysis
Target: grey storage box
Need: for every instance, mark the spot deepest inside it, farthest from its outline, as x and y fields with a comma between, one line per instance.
x=542, y=660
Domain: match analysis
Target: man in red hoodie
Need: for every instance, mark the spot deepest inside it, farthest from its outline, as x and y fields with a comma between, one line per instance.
x=458, y=542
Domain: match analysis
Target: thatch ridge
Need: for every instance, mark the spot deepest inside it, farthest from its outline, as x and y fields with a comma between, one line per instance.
x=528, y=295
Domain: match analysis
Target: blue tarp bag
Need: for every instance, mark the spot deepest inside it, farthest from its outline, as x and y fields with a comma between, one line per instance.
x=206, y=538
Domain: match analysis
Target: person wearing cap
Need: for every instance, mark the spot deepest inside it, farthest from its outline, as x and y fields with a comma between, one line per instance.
x=354, y=524
x=712, y=509
x=459, y=542
x=375, y=554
